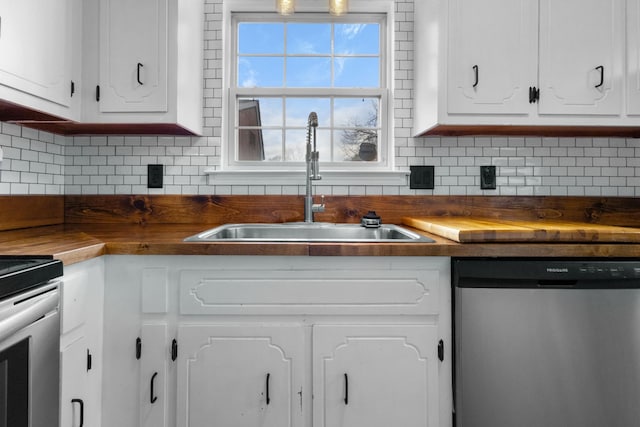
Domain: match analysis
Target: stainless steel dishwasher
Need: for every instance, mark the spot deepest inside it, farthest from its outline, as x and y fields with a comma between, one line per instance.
x=546, y=342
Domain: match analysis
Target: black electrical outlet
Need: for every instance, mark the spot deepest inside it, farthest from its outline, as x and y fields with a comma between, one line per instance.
x=421, y=177
x=487, y=177
x=154, y=176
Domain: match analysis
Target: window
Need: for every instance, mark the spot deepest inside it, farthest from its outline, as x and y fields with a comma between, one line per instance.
x=284, y=68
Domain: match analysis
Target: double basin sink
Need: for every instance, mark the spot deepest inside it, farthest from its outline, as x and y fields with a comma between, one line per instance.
x=308, y=232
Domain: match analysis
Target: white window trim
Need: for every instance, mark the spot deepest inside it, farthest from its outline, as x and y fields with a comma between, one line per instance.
x=353, y=174
x=292, y=177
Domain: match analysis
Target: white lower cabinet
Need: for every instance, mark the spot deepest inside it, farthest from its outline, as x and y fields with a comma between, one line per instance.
x=240, y=375
x=81, y=305
x=375, y=376
x=278, y=341
x=153, y=375
x=73, y=389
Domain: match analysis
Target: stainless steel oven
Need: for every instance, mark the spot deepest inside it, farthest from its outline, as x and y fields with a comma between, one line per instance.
x=29, y=342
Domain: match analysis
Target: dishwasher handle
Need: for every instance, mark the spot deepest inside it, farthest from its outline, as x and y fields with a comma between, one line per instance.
x=557, y=284
x=27, y=316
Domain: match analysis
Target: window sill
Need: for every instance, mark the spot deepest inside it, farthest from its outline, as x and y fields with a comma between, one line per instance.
x=329, y=177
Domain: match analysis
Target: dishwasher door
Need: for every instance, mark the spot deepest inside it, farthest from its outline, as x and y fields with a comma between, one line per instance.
x=547, y=346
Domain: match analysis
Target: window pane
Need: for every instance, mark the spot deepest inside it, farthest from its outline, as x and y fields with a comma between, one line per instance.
x=356, y=112
x=296, y=148
x=308, y=39
x=357, y=72
x=298, y=110
x=260, y=37
x=260, y=112
x=357, y=39
x=273, y=144
x=260, y=72
x=323, y=145
x=308, y=72
x=250, y=144
x=356, y=145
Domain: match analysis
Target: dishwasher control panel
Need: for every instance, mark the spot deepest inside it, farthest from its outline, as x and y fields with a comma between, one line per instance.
x=535, y=272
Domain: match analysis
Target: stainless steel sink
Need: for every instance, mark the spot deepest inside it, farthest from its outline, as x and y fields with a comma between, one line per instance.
x=307, y=232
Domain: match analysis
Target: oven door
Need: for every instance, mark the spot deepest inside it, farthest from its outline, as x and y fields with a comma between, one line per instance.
x=29, y=359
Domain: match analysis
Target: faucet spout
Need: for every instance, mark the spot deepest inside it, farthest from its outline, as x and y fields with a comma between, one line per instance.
x=313, y=119
x=312, y=159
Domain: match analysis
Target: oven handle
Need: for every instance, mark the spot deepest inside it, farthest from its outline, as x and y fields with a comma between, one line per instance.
x=27, y=316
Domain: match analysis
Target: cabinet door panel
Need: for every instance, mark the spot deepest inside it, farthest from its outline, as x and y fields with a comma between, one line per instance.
x=492, y=57
x=133, y=56
x=225, y=374
x=633, y=57
x=35, y=47
x=581, y=56
x=375, y=376
x=73, y=362
x=74, y=301
x=153, y=373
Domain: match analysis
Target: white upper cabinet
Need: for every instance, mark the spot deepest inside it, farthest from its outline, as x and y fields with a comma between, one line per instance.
x=633, y=57
x=581, y=56
x=143, y=64
x=133, y=60
x=38, y=43
x=492, y=60
x=523, y=63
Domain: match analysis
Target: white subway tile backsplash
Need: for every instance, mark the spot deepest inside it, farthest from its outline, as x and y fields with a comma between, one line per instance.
x=43, y=163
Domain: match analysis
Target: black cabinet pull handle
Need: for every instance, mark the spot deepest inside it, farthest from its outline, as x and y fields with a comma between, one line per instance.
x=441, y=350
x=81, y=402
x=73, y=88
x=346, y=389
x=601, y=69
x=475, y=71
x=139, y=67
x=174, y=350
x=138, y=348
x=268, y=398
x=89, y=360
x=534, y=94
x=98, y=93
x=152, y=397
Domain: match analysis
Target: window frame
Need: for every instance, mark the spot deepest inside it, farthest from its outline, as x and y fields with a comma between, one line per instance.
x=379, y=12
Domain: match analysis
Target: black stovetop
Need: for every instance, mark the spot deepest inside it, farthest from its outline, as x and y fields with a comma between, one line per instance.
x=19, y=273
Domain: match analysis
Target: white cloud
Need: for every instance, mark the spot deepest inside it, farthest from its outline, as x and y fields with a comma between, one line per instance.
x=351, y=31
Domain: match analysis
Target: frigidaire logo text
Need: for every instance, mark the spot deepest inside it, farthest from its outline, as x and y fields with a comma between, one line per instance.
x=557, y=270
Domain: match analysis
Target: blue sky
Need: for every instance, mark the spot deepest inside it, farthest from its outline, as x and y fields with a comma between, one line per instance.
x=261, y=47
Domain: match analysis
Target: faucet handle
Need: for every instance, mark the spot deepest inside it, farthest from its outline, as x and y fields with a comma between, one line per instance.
x=318, y=207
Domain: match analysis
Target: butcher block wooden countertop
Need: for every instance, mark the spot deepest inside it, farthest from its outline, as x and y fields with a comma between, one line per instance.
x=75, y=243
x=77, y=228
x=486, y=230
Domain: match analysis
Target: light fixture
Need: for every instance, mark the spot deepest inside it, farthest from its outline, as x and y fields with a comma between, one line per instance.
x=338, y=7
x=285, y=7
